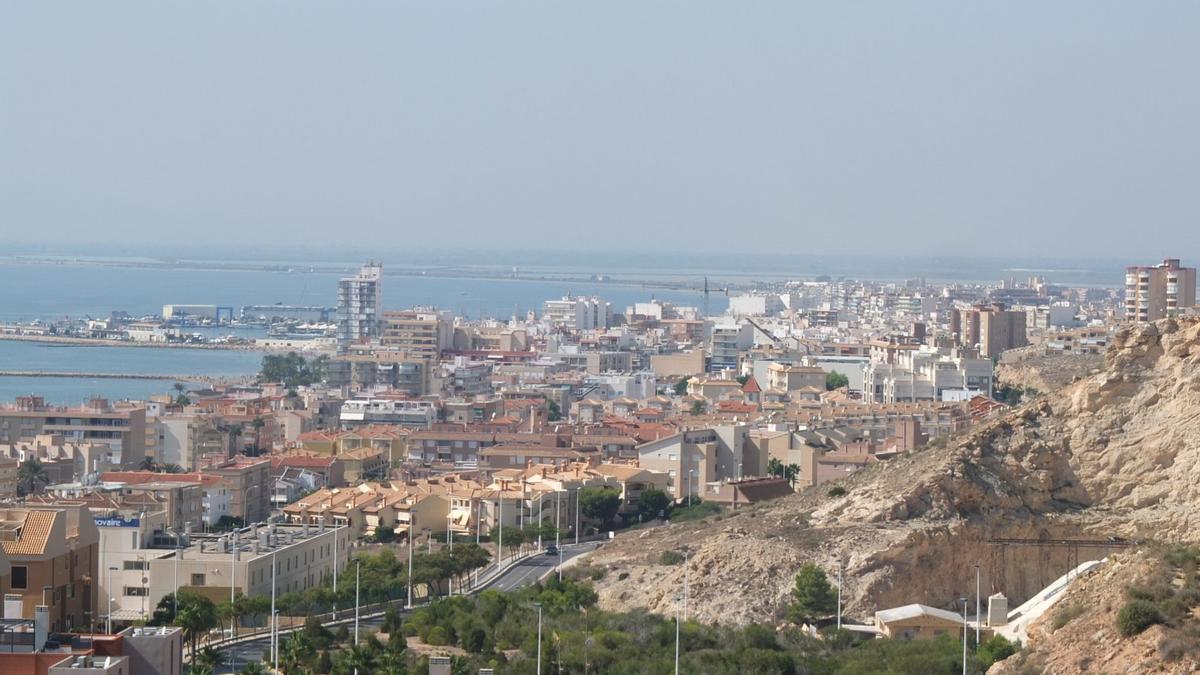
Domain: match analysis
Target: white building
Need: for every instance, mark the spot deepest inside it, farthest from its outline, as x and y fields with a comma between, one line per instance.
x=578, y=313
x=727, y=342
x=928, y=375
x=360, y=301
x=418, y=414
x=755, y=304
x=628, y=385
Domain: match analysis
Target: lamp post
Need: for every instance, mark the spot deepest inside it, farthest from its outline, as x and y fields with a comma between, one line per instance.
x=108, y=619
x=274, y=617
x=578, y=494
x=977, y=622
x=839, y=612
x=175, y=598
x=412, y=516
x=449, y=537
x=685, y=584
x=964, y=606
x=233, y=554
x=539, y=654
x=335, y=570
x=677, y=622
x=357, y=576
x=557, y=517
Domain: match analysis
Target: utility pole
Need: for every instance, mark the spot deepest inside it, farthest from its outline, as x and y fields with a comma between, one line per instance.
x=578, y=496
x=557, y=515
x=677, y=643
x=357, y=577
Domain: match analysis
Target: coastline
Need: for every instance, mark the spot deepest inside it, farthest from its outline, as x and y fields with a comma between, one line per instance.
x=100, y=342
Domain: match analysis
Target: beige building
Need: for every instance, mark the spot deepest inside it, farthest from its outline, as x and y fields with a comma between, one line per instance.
x=420, y=334
x=121, y=427
x=8, y=478
x=54, y=559
x=784, y=377
x=991, y=328
x=697, y=457
x=919, y=622
x=1154, y=292
x=678, y=365
x=303, y=556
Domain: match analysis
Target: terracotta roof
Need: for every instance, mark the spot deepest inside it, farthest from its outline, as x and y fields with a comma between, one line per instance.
x=751, y=386
x=35, y=532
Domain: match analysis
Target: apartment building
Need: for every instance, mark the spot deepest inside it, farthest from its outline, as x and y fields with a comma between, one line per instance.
x=727, y=343
x=360, y=301
x=929, y=374
x=412, y=414
x=419, y=333
x=303, y=557
x=9, y=470
x=788, y=377
x=1154, y=292
x=577, y=313
x=120, y=427
x=990, y=328
x=53, y=553
x=697, y=457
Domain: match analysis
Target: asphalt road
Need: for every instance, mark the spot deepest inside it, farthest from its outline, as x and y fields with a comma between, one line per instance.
x=518, y=576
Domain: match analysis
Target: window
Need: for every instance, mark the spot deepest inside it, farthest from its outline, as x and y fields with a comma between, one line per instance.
x=137, y=565
x=197, y=579
x=20, y=577
x=137, y=591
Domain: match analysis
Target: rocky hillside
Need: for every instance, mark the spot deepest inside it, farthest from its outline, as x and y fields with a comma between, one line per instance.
x=1114, y=454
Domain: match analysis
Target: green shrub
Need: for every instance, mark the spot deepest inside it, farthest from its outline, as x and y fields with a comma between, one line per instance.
x=596, y=574
x=622, y=576
x=837, y=491
x=1136, y=616
x=1066, y=615
x=437, y=637
x=670, y=558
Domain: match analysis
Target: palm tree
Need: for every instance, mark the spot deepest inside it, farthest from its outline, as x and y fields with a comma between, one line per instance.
x=30, y=474
x=296, y=651
x=359, y=657
x=196, y=615
x=207, y=658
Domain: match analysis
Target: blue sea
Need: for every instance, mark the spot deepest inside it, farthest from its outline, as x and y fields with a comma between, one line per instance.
x=71, y=288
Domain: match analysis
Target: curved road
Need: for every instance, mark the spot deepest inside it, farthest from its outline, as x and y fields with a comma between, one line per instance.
x=524, y=573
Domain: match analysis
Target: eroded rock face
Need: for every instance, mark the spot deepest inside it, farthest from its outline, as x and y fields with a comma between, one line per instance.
x=1113, y=454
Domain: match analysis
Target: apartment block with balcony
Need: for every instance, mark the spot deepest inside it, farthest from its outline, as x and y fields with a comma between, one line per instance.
x=53, y=552
x=1152, y=293
x=121, y=427
x=360, y=301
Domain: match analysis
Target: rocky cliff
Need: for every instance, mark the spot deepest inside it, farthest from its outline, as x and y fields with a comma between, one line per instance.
x=1115, y=454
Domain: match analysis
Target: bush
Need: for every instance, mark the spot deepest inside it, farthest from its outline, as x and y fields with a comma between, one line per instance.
x=1066, y=615
x=1136, y=616
x=622, y=576
x=670, y=558
x=596, y=574
x=837, y=491
x=437, y=637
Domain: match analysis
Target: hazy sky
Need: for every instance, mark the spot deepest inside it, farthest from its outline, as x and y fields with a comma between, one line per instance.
x=1062, y=128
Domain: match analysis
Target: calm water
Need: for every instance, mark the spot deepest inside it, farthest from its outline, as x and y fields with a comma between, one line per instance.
x=140, y=360
x=29, y=292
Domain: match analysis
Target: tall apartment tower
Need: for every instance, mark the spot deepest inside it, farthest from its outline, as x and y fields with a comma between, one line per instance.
x=1154, y=292
x=360, y=301
x=991, y=328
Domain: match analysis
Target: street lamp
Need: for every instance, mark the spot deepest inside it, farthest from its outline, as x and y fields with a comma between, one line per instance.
x=274, y=617
x=977, y=622
x=685, y=584
x=335, y=565
x=357, y=576
x=108, y=619
x=412, y=516
x=964, y=606
x=539, y=647
x=557, y=514
x=578, y=495
x=839, y=613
